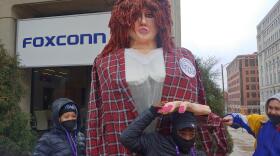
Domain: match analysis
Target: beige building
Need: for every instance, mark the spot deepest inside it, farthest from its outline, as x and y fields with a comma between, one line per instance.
x=44, y=84
x=268, y=41
x=243, y=84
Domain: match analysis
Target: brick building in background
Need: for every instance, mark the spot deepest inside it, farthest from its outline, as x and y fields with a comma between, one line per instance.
x=243, y=85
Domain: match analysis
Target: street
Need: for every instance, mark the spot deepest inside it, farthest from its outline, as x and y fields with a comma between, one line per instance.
x=243, y=142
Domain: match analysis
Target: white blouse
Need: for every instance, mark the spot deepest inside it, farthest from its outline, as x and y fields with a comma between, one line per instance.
x=145, y=74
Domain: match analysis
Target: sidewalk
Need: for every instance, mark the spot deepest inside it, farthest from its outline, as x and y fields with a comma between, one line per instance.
x=243, y=143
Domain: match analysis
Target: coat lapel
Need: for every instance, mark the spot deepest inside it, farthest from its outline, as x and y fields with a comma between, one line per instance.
x=169, y=70
x=122, y=79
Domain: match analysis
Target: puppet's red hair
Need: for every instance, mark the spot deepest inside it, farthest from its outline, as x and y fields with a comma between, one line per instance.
x=124, y=15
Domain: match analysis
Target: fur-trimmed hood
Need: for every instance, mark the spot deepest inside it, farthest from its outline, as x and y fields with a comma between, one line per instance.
x=276, y=96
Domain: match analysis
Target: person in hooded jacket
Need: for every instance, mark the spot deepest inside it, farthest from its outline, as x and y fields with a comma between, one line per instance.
x=64, y=139
x=265, y=130
x=181, y=142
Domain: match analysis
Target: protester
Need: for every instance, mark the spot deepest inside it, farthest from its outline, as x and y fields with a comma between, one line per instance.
x=266, y=131
x=64, y=139
x=180, y=142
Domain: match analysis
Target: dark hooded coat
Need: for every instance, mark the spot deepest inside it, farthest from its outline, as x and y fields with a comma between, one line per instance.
x=54, y=142
x=150, y=144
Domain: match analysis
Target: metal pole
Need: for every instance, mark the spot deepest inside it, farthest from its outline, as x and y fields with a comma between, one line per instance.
x=222, y=68
x=223, y=78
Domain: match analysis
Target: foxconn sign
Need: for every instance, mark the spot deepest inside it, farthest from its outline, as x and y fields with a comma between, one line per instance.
x=61, y=41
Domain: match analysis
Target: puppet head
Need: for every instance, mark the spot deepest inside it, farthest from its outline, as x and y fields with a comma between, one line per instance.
x=124, y=15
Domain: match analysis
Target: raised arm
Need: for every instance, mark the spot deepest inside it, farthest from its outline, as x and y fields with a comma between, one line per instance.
x=133, y=138
x=250, y=123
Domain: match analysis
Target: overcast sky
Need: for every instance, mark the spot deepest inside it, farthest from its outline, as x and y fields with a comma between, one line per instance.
x=222, y=28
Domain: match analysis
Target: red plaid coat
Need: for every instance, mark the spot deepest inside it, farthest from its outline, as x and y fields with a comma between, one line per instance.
x=111, y=107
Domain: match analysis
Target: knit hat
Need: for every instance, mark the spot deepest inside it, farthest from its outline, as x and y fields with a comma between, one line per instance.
x=183, y=120
x=69, y=107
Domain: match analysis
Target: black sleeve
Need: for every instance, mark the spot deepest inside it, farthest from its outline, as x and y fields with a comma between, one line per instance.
x=42, y=147
x=133, y=138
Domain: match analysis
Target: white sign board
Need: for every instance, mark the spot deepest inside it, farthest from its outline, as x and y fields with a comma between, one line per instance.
x=62, y=41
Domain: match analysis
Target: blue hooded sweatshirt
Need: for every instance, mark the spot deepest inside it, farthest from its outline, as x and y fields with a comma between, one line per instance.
x=267, y=134
x=269, y=137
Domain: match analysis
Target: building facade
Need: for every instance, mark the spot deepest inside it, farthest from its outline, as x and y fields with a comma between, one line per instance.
x=268, y=41
x=243, y=84
x=45, y=83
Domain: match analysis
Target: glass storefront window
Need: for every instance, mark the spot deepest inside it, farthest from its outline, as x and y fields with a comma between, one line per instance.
x=49, y=84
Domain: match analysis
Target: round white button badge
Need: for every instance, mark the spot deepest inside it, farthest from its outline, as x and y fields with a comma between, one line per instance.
x=187, y=67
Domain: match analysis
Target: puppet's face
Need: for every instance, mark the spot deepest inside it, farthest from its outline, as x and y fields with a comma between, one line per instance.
x=145, y=30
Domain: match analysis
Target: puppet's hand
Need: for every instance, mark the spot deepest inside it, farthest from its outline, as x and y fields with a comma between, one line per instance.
x=198, y=109
x=182, y=106
x=169, y=107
